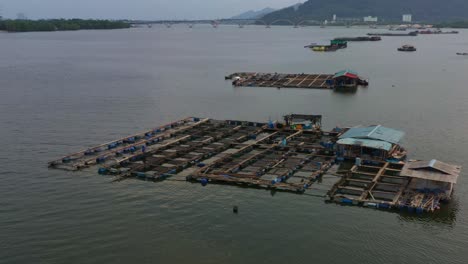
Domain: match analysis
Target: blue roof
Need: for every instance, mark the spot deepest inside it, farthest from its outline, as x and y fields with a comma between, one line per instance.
x=375, y=132
x=369, y=143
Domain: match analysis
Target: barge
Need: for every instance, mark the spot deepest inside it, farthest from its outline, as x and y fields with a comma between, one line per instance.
x=410, y=34
x=370, y=38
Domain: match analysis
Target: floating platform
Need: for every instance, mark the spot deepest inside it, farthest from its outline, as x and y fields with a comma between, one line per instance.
x=278, y=80
x=343, y=79
x=291, y=156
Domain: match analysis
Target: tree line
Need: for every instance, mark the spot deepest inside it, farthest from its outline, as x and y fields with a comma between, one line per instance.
x=59, y=25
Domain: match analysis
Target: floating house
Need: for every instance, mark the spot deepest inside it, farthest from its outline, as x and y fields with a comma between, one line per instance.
x=432, y=176
x=346, y=78
x=371, y=143
x=307, y=122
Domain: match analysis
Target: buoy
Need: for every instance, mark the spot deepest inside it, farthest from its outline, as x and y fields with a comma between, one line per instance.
x=235, y=209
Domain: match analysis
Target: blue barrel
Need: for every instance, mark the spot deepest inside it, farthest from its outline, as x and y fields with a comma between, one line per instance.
x=384, y=205
x=102, y=171
x=204, y=181
x=346, y=201
x=141, y=175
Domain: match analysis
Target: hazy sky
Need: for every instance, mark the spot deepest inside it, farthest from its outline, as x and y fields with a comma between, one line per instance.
x=135, y=9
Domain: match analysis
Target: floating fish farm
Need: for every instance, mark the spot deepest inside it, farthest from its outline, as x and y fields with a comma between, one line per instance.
x=342, y=79
x=367, y=164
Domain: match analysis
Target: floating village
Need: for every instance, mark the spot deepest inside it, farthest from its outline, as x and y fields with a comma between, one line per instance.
x=363, y=165
x=368, y=164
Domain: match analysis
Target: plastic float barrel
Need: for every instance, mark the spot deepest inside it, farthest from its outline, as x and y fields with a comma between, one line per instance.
x=66, y=160
x=100, y=159
x=201, y=165
x=383, y=206
x=140, y=174
x=112, y=146
x=319, y=165
x=89, y=152
x=102, y=171
x=196, y=119
x=204, y=181
x=357, y=162
x=346, y=201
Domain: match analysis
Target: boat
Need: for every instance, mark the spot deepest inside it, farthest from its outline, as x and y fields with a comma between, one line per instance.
x=370, y=38
x=334, y=46
x=462, y=53
x=407, y=48
x=311, y=45
x=325, y=48
x=411, y=34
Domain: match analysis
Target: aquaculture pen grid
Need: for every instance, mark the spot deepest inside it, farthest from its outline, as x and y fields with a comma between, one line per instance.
x=275, y=156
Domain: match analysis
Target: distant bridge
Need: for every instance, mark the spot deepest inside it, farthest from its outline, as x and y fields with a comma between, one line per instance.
x=217, y=23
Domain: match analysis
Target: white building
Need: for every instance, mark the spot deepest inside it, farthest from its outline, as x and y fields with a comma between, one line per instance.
x=407, y=18
x=334, y=18
x=371, y=19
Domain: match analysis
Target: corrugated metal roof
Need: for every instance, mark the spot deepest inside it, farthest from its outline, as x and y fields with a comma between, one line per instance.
x=368, y=143
x=436, y=165
x=347, y=73
x=375, y=132
x=433, y=170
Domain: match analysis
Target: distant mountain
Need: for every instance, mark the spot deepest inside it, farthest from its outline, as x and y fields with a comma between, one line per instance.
x=388, y=10
x=254, y=14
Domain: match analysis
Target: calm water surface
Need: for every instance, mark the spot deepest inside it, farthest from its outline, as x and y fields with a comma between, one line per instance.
x=62, y=91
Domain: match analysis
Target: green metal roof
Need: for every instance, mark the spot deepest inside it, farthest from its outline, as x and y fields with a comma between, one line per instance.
x=375, y=132
x=368, y=143
x=346, y=73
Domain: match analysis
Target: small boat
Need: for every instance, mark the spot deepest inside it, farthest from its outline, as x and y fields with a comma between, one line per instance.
x=462, y=53
x=311, y=45
x=407, y=48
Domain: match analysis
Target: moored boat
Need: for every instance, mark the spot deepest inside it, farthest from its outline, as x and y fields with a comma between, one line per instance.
x=407, y=48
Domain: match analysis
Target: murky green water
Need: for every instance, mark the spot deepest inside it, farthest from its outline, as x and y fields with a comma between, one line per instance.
x=62, y=91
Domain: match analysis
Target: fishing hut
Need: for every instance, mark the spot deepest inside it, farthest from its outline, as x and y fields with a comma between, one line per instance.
x=297, y=121
x=375, y=143
x=430, y=183
x=433, y=175
x=344, y=79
